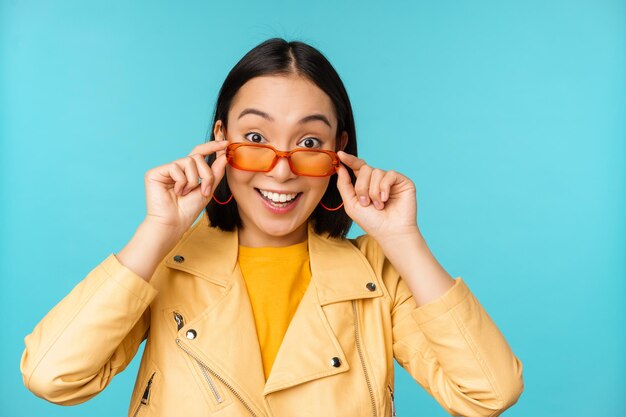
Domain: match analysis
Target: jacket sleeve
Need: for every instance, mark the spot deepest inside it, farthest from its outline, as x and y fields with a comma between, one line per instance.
x=89, y=336
x=451, y=347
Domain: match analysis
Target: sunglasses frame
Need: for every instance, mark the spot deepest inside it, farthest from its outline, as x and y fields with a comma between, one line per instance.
x=230, y=150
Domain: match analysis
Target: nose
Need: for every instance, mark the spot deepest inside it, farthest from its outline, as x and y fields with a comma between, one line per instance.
x=282, y=171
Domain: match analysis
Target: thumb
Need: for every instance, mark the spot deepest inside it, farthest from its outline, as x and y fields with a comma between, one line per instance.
x=344, y=185
x=219, y=168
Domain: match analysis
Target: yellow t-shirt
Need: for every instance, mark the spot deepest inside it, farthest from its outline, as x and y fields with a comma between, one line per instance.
x=276, y=279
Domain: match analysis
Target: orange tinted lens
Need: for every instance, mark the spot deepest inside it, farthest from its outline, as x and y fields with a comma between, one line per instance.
x=312, y=163
x=252, y=158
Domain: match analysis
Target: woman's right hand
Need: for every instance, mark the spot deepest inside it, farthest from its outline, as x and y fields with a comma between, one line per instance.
x=174, y=198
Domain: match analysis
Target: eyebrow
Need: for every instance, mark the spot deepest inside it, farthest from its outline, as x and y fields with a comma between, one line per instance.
x=266, y=116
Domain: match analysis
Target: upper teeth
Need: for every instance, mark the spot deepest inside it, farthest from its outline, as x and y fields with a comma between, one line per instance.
x=278, y=198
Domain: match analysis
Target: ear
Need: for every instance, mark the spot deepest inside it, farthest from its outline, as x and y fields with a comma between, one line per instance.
x=218, y=131
x=343, y=140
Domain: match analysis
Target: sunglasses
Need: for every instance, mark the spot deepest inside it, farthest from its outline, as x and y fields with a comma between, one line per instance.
x=257, y=157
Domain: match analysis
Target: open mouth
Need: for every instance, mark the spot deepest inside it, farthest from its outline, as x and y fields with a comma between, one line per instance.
x=278, y=200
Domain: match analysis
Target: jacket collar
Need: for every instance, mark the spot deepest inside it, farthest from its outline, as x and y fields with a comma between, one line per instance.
x=338, y=269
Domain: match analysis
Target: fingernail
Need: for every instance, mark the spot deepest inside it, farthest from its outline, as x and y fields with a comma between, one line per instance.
x=207, y=191
x=383, y=196
x=363, y=200
x=378, y=204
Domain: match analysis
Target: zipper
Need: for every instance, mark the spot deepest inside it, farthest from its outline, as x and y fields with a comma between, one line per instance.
x=393, y=405
x=358, y=347
x=180, y=322
x=205, y=367
x=145, y=398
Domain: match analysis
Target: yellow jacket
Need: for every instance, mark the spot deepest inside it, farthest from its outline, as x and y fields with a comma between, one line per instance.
x=202, y=355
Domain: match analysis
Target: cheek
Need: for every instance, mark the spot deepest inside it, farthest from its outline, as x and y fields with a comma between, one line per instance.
x=237, y=179
x=317, y=186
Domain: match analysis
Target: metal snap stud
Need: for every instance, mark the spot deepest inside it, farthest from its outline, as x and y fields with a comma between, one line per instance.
x=371, y=286
x=336, y=362
x=191, y=334
x=178, y=259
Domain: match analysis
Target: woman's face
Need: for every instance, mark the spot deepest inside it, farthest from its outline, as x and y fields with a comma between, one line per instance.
x=275, y=110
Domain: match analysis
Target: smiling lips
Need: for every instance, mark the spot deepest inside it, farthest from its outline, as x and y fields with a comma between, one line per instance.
x=278, y=197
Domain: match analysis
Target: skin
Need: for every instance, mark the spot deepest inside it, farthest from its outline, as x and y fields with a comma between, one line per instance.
x=382, y=203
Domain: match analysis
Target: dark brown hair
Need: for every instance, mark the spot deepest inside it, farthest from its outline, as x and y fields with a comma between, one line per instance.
x=276, y=56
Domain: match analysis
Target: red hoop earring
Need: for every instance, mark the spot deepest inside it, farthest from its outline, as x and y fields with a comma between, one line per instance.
x=331, y=209
x=219, y=202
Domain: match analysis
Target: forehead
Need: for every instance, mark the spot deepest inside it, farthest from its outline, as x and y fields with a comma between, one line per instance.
x=287, y=98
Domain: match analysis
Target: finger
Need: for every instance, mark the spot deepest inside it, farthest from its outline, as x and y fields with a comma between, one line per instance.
x=362, y=185
x=345, y=187
x=191, y=172
x=353, y=162
x=390, y=178
x=374, y=190
x=205, y=173
x=210, y=147
x=178, y=175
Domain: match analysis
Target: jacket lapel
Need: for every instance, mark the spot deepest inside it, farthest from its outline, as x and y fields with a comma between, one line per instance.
x=339, y=272
x=226, y=332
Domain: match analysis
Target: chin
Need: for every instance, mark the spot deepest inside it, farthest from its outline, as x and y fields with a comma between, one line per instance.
x=279, y=228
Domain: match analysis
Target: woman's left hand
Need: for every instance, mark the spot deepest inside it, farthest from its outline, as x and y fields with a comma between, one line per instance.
x=382, y=203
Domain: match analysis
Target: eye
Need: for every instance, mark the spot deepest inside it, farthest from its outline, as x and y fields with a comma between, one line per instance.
x=254, y=137
x=311, y=142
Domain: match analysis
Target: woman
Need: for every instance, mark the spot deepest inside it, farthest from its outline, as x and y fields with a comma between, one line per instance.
x=263, y=307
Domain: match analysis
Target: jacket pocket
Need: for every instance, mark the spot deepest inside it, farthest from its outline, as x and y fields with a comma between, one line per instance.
x=202, y=373
x=144, y=401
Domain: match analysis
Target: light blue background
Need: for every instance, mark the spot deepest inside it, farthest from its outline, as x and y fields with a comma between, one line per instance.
x=508, y=116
